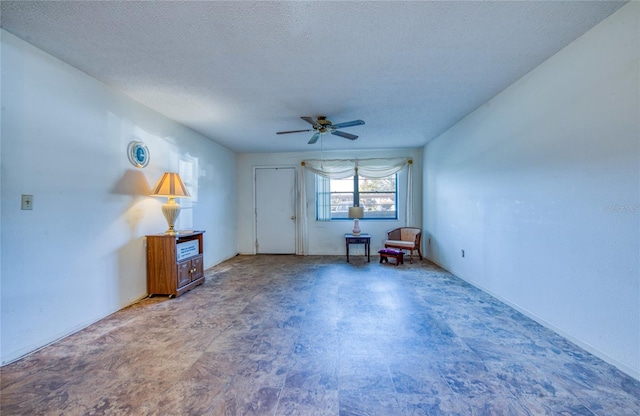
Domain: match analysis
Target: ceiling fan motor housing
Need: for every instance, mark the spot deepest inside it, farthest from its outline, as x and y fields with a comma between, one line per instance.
x=322, y=120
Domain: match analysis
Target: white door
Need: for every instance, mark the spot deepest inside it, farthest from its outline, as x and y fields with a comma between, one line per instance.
x=275, y=210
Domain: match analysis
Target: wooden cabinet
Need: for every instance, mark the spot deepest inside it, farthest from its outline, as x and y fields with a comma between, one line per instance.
x=174, y=263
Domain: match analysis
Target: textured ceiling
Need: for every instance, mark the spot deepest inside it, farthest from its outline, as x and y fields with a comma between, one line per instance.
x=237, y=72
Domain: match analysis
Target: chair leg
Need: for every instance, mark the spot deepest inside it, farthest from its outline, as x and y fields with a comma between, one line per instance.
x=420, y=253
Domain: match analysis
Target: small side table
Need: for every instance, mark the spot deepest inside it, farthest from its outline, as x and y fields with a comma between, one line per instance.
x=359, y=239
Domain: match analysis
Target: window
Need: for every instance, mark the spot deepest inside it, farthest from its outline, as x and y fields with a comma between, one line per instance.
x=378, y=197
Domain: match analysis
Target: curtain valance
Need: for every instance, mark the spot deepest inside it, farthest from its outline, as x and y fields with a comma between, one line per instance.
x=367, y=168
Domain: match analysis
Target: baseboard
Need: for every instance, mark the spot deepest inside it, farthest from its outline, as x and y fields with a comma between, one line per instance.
x=584, y=345
x=223, y=260
x=26, y=351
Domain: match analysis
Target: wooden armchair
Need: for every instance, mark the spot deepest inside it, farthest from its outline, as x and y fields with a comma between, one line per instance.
x=405, y=238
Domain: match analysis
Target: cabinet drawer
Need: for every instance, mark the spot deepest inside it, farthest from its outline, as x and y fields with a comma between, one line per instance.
x=358, y=240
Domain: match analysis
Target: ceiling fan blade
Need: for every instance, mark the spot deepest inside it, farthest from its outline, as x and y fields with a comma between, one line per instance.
x=314, y=138
x=348, y=124
x=345, y=135
x=292, y=131
x=311, y=121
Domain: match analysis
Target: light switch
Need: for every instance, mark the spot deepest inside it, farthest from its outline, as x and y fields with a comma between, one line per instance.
x=27, y=201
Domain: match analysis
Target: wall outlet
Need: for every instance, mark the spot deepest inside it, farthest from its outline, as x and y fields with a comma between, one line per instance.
x=462, y=253
x=27, y=202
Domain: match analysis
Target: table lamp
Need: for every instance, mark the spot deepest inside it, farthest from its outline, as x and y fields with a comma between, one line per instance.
x=171, y=186
x=356, y=213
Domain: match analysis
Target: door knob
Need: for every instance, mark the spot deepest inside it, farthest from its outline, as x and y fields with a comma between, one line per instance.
x=293, y=217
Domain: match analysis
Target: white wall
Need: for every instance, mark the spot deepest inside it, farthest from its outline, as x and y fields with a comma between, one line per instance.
x=79, y=255
x=541, y=188
x=324, y=238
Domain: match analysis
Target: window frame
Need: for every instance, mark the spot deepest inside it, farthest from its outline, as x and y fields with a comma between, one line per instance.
x=356, y=198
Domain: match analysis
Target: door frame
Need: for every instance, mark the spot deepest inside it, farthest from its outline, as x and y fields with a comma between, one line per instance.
x=254, y=222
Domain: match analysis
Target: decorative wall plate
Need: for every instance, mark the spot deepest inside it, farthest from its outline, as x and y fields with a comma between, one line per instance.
x=138, y=154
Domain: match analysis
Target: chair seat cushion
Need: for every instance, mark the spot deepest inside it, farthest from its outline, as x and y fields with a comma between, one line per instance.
x=398, y=243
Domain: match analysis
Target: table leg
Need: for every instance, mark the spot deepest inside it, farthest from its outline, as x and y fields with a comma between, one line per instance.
x=347, y=244
x=368, y=252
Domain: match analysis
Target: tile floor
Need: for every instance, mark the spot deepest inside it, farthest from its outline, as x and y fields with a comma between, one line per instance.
x=288, y=335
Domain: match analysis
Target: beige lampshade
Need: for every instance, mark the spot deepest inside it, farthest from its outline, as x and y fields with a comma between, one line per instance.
x=356, y=212
x=170, y=185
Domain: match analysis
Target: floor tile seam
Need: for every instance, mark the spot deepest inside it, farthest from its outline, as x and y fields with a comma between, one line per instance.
x=395, y=387
x=569, y=386
x=33, y=403
x=258, y=386
x=582, y=395
x=499, y=382
x=220, y=397
x=541, y=400
x=527, y=408
x=463, y=340
x=77, y=401
x=184, y=370
x=565, y=393
x=446, y=382
x=281, y=389
x=588, y=406
x=342, y=392
x=520, y=397
x=569, y=394
x=74, y=403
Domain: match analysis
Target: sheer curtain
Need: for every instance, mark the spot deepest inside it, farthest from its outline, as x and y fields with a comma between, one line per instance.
x=323, y=204
x=344, y=168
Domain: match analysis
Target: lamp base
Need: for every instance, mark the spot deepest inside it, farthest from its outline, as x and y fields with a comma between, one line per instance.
x=356, y=227
x=171, y=210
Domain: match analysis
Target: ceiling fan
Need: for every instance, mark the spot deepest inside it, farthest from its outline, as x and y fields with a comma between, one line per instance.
x=321, y=125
